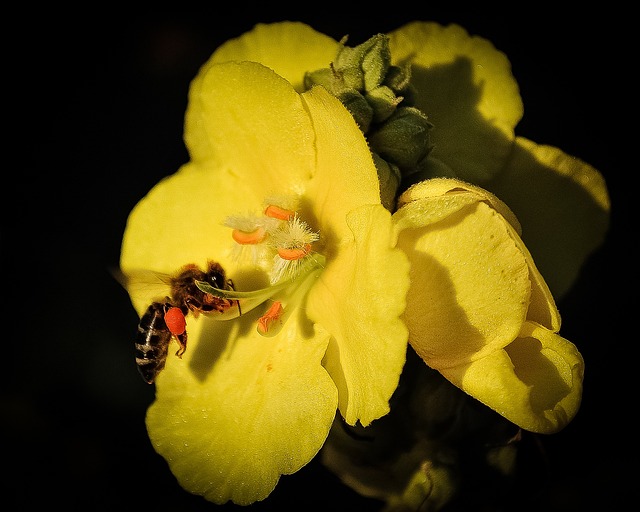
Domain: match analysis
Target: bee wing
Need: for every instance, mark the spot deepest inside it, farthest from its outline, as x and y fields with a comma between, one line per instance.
x=141, y=282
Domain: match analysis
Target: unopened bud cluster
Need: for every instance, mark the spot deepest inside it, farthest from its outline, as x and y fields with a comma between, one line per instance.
x=380, y=98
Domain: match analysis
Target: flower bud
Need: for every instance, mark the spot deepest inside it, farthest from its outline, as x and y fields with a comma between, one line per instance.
x=403, y=139
x=383, y=101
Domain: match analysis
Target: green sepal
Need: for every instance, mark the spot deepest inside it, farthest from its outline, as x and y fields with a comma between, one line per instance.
x=365, y=66
x=398, y=79
x=389, y=177
x=360, y=109
x=325, y=77
x=383, y=102
x=403, y=139
x=376, y=61
x=380, y=97
x=431, y=485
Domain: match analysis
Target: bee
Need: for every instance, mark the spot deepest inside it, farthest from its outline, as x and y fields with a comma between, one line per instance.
x=165, y=319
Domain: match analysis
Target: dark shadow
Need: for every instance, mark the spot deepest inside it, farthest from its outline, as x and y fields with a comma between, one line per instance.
x=561, y=223
x=452, y=85
x=537, y=372
x=219, y=335
x=424, y=270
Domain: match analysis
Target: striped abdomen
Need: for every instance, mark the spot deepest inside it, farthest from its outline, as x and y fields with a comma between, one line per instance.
x=152, y=341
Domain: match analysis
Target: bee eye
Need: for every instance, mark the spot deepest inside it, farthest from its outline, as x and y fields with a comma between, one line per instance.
x=217, y=280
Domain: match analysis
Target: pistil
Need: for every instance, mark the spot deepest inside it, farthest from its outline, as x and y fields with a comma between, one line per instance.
x=286, y=295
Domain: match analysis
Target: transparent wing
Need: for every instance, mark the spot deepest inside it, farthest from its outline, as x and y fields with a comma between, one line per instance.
x=141, y=282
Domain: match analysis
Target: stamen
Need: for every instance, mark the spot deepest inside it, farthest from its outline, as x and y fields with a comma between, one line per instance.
x=293, y=243
x=287, y=300
x=276, y=212
x=250, y=234
x=249, y=238
x=295, y=253
x=272, y=315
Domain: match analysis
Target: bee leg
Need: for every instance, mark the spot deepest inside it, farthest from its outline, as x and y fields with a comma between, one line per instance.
x=182, y=341
x=231, y=286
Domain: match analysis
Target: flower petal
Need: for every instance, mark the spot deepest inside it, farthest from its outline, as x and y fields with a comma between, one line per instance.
x=563, y=205
x=475, y=118
x=542, y=305
x=535, y=382
x=358, y=300
x=345, y=176
x=470, y=287
x=460, y=193
x=247, y=121
x=274, y=45
x=239, y=409
x=357, y=308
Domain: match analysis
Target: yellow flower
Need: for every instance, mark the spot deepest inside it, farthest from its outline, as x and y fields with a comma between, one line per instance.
x=253, y=398
x=478, y=310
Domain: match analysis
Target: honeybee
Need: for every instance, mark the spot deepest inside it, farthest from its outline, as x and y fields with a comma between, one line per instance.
x=165, y=319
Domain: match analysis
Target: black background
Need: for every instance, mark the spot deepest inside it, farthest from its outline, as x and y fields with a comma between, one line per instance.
x=95, y=107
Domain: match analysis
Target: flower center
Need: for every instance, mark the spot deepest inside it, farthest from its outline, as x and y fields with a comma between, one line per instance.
x=278, y=239
x=282, y=243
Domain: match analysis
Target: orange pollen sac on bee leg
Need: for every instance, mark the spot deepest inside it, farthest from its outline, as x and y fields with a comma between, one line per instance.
x=295, y=253
x=175, y=320
x=276, y=212
x=249, y=238
x=273, y=314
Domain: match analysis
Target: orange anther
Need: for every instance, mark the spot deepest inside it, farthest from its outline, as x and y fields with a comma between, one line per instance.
x=294, y=254
x=277, y=212
x=274, y=313
x=249, y=238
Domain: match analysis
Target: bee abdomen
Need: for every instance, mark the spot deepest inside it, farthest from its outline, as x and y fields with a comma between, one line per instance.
x=152, y=342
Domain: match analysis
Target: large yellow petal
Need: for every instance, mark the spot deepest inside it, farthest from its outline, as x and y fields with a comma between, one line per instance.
x=542, y=305
x=470, y=286
x=563, y=205
x=358, y=300
x=535, y=382
x=274, y=45
x=345, y=176
x=238, y=410
x=245, y=120
x=466, y=89
x=358, y=308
